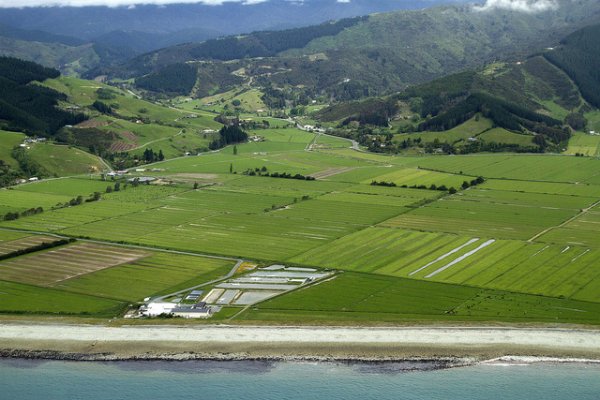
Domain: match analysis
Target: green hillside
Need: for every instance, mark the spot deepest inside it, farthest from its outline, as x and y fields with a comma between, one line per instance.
x=534, y=103
x=364, y=57
x=29, y=107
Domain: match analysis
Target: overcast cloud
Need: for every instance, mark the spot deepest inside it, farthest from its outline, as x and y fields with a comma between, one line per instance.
x=113, y=3
x=528, y=6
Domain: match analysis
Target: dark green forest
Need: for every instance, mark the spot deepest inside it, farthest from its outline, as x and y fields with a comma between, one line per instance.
x=26, y=106
x=176, y=78
x=579, y=57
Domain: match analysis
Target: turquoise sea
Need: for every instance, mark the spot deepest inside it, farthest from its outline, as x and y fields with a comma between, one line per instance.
x=249, y=380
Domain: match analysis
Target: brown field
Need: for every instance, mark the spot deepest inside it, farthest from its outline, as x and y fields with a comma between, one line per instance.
x=128, y=135
x=50, y=267
x=120, y=146
x=24, y=243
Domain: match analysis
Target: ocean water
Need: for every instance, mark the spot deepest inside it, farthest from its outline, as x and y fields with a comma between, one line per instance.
x=249, y=380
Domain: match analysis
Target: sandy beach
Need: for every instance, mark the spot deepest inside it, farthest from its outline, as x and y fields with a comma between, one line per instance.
x=90, y=342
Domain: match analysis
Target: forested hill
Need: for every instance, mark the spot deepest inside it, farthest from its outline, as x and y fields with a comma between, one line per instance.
x=259, y=44
x=547, y=95
x=28, y=107
x=579, y=57
x=371, y=56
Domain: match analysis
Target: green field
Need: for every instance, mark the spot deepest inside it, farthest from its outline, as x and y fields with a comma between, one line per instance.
x=366, y=299
x=500, y=135
x=522, y=246
x=583, y=143
x=63, y=160
x=57, y=160
x=8, y=141
x=91, y=279
x=471, y=128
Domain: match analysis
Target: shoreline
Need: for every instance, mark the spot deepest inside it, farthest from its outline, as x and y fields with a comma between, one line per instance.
x=447, y=346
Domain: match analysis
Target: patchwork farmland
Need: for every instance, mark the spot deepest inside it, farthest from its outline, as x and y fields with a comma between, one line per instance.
x=433, y=242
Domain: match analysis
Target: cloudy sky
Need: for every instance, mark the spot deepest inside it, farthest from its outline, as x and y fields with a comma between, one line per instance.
x=516, y=5
x=530, y=6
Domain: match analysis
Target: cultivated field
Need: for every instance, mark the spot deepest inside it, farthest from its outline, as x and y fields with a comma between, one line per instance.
x=522, y=246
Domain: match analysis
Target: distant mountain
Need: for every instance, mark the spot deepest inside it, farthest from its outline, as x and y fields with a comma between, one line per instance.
x=370, y=56
x=7, y=31
x=78, y=39
x=89, y=23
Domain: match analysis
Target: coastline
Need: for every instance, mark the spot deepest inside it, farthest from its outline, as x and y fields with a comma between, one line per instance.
x=448, y=346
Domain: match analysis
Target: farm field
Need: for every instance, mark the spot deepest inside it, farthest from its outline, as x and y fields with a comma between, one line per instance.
x=537, y=268
x=8, y=140
x=417, y=177
x=500, y=135
x=63, y=160
x=57, y=160
x=159, y=273
x=470, y=128
x=583, y=143
x=512, y=216
x=549, y=168
x=521, y=246
x=366, y=299
x=21, y=243
x=27, y=299
x=47, y=268
x=97, y=279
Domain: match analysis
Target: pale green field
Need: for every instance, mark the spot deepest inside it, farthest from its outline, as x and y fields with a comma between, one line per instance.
x=63, y=160
x=585, y=144
x=500, y=135
x=470, y=128
x=8, y=140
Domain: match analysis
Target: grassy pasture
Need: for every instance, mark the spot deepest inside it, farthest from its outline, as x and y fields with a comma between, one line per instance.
x=584, y=190
x=583, y=143
x=20, y=298
x=7, y=236
x=470, y=128
x=538, y=268
x=58, y=160
x=419, y=177
x=583, y=230
x=518, y=199
x=330, y=142
x=8, y=140
x=517, y=217
x=550, y=168
x=159, y=273
x=66, y=187
x=17, y=200
x=362, y=298
x=500, y=135
x=63, y=160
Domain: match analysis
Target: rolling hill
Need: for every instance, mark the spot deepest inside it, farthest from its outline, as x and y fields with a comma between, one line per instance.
x=369, y=56
x=543, y=98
